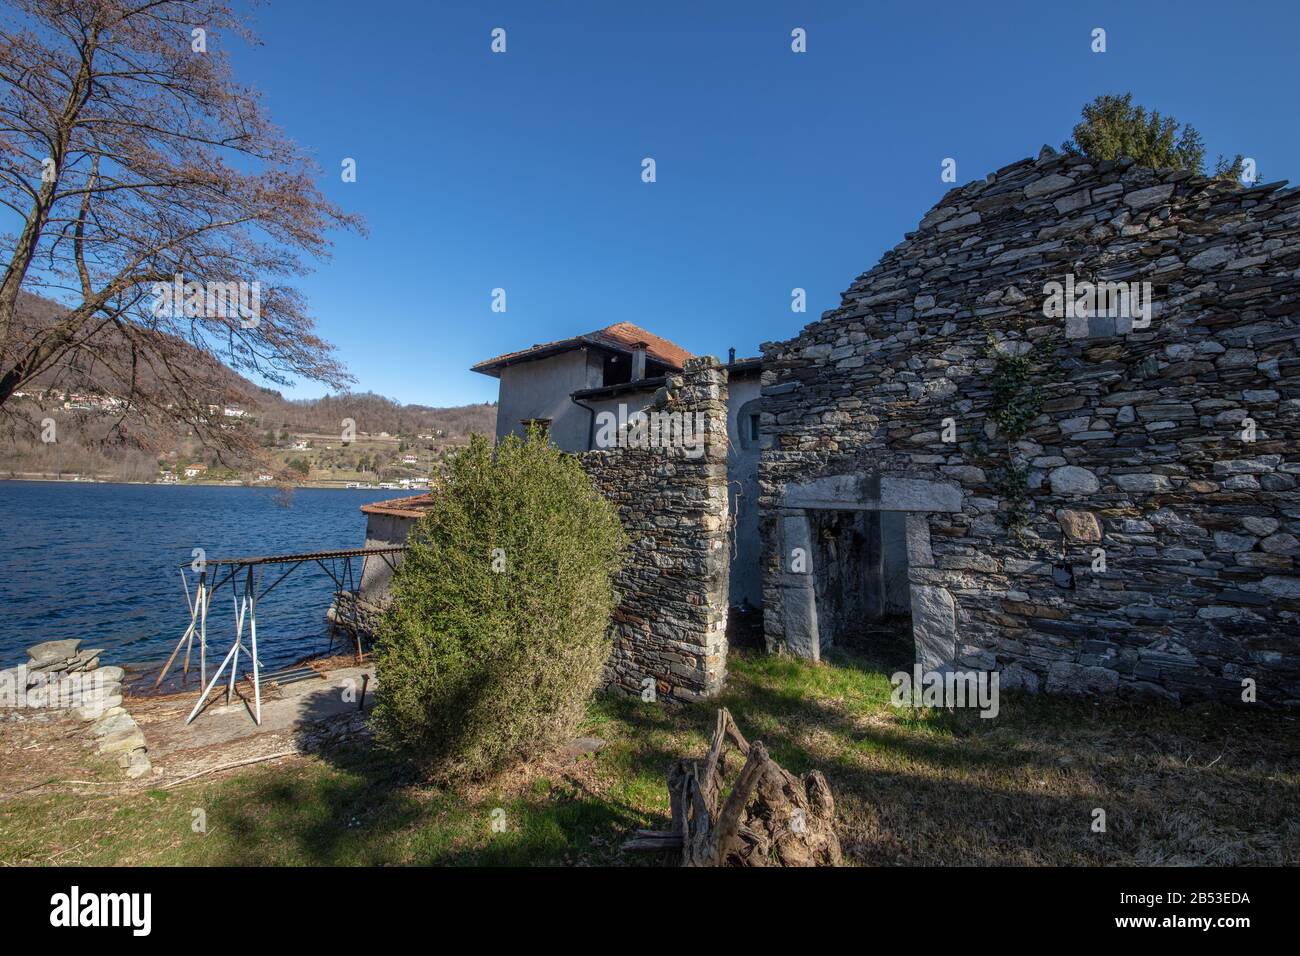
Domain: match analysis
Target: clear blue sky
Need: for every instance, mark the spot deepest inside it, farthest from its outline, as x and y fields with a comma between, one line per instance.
x=775, y=170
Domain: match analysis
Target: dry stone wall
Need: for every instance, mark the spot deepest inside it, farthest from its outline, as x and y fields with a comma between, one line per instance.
x=670, y=623
x=60, y=675
x=1158, y=552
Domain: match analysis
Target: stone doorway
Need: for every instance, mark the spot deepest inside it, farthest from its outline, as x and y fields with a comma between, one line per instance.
x=860, y=579
x=855, y=548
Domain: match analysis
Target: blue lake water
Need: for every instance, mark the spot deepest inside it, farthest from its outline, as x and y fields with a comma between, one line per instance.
x=100, y=562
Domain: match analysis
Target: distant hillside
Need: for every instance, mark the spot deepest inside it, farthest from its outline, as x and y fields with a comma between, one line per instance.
x=373, y=414
x=96, y=435
x=82, y=373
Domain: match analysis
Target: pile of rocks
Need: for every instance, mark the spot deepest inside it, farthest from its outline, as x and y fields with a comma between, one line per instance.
x=116, y=734
x=56, y=660
x=59, y=674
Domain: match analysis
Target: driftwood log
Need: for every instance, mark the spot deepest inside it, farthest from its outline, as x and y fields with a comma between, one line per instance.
x=770, y=817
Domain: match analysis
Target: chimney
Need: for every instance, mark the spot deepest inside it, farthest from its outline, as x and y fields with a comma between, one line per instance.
x=638, y=361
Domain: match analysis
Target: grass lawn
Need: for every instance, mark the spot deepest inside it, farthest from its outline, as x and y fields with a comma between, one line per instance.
x=1192, y=785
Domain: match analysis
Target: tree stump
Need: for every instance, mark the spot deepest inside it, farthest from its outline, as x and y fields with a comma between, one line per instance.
x=770, y=817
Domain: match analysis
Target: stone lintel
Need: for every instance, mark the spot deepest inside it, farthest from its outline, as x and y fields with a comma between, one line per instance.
x=873, y=493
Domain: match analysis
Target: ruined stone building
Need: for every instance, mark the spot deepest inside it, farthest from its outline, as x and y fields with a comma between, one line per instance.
x=1057, y=426
x=1156, y=476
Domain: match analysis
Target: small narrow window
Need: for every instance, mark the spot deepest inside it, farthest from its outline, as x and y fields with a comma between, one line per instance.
x=542, y=424
x=746, y=427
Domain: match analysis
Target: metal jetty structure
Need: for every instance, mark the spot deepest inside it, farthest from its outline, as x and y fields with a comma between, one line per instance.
x=337, y=564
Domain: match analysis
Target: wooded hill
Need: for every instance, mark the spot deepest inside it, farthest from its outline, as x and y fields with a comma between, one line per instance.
x=98, y=436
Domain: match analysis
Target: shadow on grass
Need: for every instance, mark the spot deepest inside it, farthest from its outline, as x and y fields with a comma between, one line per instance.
x=937, y=786
x=364, y=805
x=921, y=787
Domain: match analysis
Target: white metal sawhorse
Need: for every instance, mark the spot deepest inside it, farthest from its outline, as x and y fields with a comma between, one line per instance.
x=247, y=604
x=246, y=610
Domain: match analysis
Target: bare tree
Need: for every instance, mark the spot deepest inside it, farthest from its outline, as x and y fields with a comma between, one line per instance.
x=137, y=168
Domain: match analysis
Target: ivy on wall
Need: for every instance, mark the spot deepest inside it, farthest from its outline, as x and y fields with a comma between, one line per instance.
x=1017, y=384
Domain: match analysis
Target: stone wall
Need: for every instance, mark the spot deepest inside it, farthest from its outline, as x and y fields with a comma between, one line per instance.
x=1142, y=445
x=670, y=623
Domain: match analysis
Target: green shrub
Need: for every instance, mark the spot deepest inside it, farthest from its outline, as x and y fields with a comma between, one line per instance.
x=497, y=630
x=1113, y=126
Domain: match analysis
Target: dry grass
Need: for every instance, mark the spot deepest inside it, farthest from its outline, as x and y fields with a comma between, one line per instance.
x=1195, y=785
x=1178, y=786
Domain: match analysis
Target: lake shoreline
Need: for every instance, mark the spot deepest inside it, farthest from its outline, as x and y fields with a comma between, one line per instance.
x=108, y=563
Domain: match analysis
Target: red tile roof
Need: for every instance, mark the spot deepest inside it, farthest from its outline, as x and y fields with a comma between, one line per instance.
x=620, y=337
x=410, y=507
